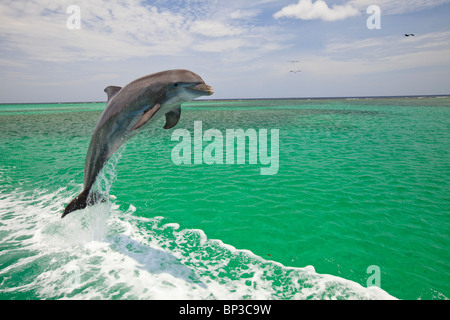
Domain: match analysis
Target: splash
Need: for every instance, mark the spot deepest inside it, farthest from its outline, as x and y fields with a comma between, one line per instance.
x=103, y=252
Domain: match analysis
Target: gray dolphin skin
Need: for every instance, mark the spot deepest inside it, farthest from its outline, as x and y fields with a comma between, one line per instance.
x=129, y=110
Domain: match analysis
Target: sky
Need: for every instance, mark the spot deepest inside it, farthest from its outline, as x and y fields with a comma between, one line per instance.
x=243, y=49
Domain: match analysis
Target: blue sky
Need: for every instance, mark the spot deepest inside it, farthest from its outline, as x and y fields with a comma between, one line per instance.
x=241, y=48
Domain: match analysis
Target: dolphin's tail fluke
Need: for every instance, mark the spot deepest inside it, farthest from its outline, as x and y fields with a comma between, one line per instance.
x=80, y=202
x=84, y=199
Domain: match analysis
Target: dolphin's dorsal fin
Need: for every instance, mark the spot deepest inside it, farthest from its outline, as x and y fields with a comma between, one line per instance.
x=172, y=118
x=111, y=91
x=146, y=116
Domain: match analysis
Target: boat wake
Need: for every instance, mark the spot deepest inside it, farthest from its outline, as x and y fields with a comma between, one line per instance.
x=103, y=252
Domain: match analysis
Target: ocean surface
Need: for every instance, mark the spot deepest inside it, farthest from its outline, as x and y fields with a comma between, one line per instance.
x=359, y=207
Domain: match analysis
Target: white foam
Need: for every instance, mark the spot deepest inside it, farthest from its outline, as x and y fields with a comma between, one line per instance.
x=104, y=253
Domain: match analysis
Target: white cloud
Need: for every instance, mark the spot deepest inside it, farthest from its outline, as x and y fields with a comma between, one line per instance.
x=307, y=10
x=120, y=30
x=398, y=6
x=109, y=30
x=215, y=29
x=377, y=56
x=238, y=48
x=244, y=14
x=323, y=66
x=219, y=45
x=380, y=48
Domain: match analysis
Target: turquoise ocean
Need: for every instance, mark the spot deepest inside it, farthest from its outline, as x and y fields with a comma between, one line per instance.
x=358, y=209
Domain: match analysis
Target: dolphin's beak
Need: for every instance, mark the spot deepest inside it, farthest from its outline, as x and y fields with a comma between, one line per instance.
x=203, y=88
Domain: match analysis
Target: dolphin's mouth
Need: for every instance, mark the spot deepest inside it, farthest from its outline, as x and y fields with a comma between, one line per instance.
x=203, y=88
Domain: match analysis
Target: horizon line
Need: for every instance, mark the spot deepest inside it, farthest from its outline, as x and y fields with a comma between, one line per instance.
x=245, y=99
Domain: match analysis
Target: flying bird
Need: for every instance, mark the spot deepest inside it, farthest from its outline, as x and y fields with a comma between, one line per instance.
x=409, y=34
x=295, y=71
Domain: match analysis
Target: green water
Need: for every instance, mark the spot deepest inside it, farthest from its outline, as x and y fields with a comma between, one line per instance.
x=360, y=183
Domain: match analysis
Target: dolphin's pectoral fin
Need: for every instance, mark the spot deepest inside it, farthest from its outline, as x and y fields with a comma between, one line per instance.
x=111, y=91
x=172, y=118
x=146, y=116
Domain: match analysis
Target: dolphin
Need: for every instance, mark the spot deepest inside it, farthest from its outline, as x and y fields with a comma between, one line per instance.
x=128, y=111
